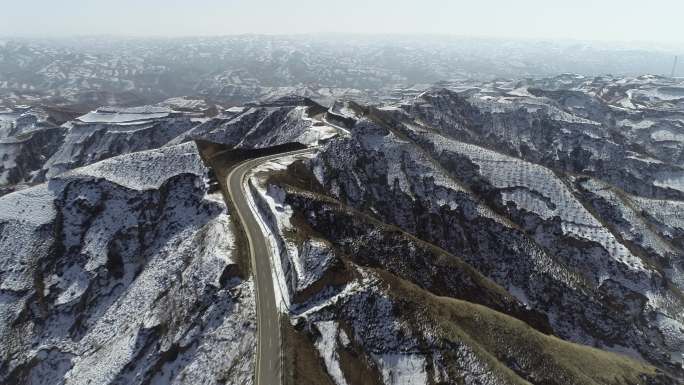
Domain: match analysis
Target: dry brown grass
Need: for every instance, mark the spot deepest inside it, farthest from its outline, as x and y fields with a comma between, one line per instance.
x=507, y=342
x=302, y=364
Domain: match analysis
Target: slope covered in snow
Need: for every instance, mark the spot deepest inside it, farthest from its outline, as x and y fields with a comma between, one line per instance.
x=106, y=133
x=269, y=124
x=110, y=275
x=27, y=139
x=378, y=305
x=511, y=200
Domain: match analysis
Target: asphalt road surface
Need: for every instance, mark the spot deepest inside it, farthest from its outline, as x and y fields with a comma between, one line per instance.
x=268, y=359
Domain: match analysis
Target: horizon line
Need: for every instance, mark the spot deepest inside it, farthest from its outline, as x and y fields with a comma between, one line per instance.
x=314, y=36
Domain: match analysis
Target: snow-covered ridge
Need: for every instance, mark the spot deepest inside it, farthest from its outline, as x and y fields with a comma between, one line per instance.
x=146, y=169
x=86, y=143
x=125, y=115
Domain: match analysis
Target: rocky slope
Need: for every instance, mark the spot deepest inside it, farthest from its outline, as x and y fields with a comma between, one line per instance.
x=27, y=139
x=123, y=272
x=107, y=132
x=370, y=303
x=34, y=147
x=497, y=195
x=268, y=124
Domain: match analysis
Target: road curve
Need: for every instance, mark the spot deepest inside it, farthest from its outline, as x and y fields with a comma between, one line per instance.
x=268, y=357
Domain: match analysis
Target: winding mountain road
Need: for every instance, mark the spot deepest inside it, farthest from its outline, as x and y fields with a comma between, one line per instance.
x=268, y=359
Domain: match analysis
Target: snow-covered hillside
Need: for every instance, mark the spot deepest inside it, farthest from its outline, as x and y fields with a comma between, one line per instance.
x=124, y=272
x=495, y=197
x=108, y=132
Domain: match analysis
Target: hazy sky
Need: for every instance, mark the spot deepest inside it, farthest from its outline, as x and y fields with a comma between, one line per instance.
x=620, y=20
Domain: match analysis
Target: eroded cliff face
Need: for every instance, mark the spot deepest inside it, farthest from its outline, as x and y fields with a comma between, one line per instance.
x=625, y=131
x=33, y=148
x=105, y=133
x=286, y=120
x=371, y=303
x=27, y=139
x=525, y=229
x=123, y=272
x=537, y=214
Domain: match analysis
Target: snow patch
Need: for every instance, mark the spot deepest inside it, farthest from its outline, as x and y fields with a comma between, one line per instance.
x=327, y=347
x=402, y=369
